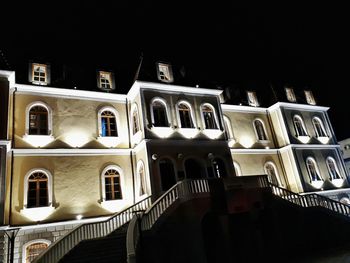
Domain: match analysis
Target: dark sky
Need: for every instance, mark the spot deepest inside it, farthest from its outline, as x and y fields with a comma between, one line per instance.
x=254, y=45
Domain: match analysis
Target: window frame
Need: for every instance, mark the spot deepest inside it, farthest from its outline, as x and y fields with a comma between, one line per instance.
x=290, y=95
x=169, y=69
x=167, y=112
x=317, y=170
x=49, y=118
x=39, y=82
x=275, y=171
x=99, y=123
x=216, y=120
x=121, y=182
x=264, y=130
x=228, y=127
x=330, y=158
x=309, y=96
x=31, y=242
x=322, y=127
x=110, y=79
x=296, y=116
x=141, y=180
x=252, y=95
x=191, y=111
x=26, y=187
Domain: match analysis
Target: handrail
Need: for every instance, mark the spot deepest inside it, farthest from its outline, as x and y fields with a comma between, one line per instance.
x=63, y=245
x=182, y=189
x=311, y=200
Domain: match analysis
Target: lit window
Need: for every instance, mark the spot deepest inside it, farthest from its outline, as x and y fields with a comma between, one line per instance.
x=209, y=117
x=290, y=94
x=272, y=174
x=319, y=128
x=39, y=74
x=108, y=124
x=38, y=120
x=159, y=113
x=105, y=80
x=252, y=99
x=185, y=115
x=112, y=184
x=38, y=189
x=141, y=178
x=313, y=170
x=33, y=248
x=228, y=127
x=237, y=167
x=135, y=120
x=309, y=97
x=260, y=130
x=333, y=169
x=165, y=73
x=299, y=126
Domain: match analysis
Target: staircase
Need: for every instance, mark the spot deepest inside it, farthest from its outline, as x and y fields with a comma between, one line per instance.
x=111, y=248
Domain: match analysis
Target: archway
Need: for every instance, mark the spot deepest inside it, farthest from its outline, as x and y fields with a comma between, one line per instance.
x=194, y=169
x=167, y=173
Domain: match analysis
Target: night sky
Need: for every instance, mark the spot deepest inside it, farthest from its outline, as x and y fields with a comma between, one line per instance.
x=302, y=45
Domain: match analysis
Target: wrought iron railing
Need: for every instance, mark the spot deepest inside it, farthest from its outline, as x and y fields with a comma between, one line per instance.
x=311, y=200
x=62, y=246
x=183, y=189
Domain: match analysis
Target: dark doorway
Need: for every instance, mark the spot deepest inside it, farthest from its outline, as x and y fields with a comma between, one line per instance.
x=219, y=168
x=194, y=170
x=167, y=173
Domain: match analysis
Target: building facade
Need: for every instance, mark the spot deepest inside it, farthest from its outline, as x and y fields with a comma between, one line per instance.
x=71, y=156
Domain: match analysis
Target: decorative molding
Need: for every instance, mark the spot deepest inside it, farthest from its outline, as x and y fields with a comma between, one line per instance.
x=254, y=151
x=244, y=109
x=306, y=107
x=69, y=152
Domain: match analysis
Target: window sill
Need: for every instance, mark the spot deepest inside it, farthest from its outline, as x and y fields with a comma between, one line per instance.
x=317, y=184
x=188, y=132
x=212, y=133
x=162, y=132
x=37, y=213
x=108, y=141
x=137, y=137
x=337, y=182
x=42, y=83
x=114, y=205
x=303, y=139
x=323, y=139
x=38, y=140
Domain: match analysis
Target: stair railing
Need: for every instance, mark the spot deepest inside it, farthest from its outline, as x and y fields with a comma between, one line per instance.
x=183, y=189
x=63, y=245
x=311, y=200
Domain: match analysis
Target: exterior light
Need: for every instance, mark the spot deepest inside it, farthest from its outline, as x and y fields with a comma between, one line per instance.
x=79, y=217
x=154, y=157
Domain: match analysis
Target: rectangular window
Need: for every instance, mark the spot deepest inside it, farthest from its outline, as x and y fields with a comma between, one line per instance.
x=309, y=97
x=290, y=95
x=105, y=80
x=165, y=73
x=39, y=74
x=252, y=99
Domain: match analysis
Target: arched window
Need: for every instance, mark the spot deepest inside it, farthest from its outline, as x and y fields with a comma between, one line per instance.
x=312, y=168
x=299, y=126
x=141, y=185
x=260, y=130
x=209, y=117
x=185, y=115
x=319, y=127
x=33, y=248
x=135, y=120
x=237, y=167
x=38, y=119
x=272, y=174
x=159, y=113
x=167, y=173
x=37, y=189
x=228, y=127
x=108, y=122
x=111, y=183
x=333, y=169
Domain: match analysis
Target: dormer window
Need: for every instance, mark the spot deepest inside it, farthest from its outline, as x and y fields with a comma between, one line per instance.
x=105, y=80
x=309, y=97
x=165, y=73
x=39, y=74
x=252, y=99
x=290, y=95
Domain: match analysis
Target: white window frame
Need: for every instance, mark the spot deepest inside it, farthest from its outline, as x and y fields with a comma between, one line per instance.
x=315, y=183
x=310, y=99
x=108, y=141
x=29, y=243
x=252, y=99
x=169, y=69
x=49, y=187
x=140, y=164
x=121, y=180
x=49, y=117
x=136, y=137
x=290, y=94
x=229, y=130
x=336, y=168
x=216, y=120
x=162, y=101
x=38, y=82
x=322, y=127
x=302, y=138
x=275, y=169
x=237, y=168
x=264, y=129
x=100, y=73
x=191, y=112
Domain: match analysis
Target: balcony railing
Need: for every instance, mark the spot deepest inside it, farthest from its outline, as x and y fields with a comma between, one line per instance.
x=62, y=246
